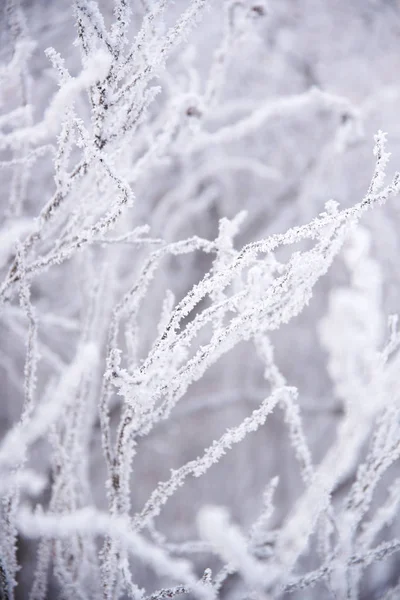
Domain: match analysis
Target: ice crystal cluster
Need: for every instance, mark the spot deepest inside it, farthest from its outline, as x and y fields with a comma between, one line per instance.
x=200, y=351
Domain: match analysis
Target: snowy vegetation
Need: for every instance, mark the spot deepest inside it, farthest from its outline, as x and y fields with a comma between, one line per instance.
x=200, y=350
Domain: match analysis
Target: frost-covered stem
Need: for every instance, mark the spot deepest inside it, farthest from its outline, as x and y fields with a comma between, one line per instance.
x=199, y=466
x=45, y=216
x=21, y=172
x=168, y=593
x=249, y=252
x=381, y=552
x=12, y=497
x=128, y=307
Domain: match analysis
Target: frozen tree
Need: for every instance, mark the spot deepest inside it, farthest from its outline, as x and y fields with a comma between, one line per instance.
x=198, y=297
